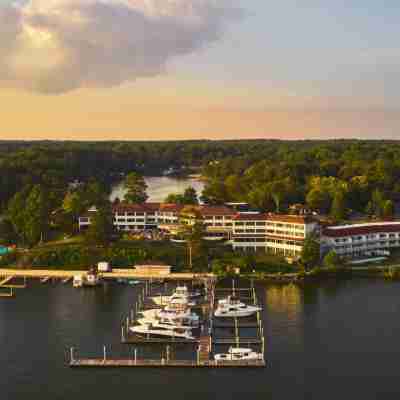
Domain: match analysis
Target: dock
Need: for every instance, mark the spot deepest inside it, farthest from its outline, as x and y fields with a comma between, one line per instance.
x=5, y=284
x=115, y=274
x=202, y=344
x=98, y=363
x=163, y=362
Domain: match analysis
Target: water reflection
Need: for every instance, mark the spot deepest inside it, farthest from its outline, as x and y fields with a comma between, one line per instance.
x=285, y=313
x=159, y=187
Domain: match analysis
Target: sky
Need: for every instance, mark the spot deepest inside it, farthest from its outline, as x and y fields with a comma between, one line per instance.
x=195, y=69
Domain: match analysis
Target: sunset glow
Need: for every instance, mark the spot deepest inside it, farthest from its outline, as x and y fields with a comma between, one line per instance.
x=183, y=69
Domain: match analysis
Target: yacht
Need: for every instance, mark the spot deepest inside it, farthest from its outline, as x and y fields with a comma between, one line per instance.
x=239, y=354
x=180, y=296
x=148, y=329
x=77, y=281
x=233, y=308
x=184, y=291
x=91, y=279
x=176, y=317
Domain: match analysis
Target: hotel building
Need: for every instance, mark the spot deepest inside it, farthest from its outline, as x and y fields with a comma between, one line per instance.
x=276, y=234
x=370, y=239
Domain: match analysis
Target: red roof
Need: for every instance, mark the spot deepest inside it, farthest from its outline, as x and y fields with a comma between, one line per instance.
x=295, y=219
x=127, y=207
x=170, y=207
x=206, y=211
x=361, y=230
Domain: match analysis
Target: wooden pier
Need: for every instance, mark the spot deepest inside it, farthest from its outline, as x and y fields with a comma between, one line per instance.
x=115, y=274
x=163, y=362
x=4, y=284
x=100, y=363
x=203, y=344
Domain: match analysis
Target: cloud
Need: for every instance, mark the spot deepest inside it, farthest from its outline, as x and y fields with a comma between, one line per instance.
x=54, y=46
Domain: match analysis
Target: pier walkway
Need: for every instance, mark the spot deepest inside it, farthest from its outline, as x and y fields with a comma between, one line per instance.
x=87, y=362
x=115, y=274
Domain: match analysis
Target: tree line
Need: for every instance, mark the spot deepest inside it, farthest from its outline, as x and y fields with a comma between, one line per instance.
x=337, y=178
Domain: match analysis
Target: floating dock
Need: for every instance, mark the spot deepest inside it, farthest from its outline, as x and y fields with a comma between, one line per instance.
x=100, y=363
x=203, y=343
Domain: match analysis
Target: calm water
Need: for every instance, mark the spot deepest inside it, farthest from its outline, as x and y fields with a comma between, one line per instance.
x=337, y=340
x=159, y=187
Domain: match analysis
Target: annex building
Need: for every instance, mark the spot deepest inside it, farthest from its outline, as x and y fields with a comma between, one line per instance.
x=360, y=240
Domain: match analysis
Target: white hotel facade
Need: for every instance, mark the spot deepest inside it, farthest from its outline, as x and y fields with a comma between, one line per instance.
x=361, y=240
x=273, y=233
x=276, y=234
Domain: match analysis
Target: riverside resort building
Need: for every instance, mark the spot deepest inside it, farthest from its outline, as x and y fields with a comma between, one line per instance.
x=253, y=231
x=246, y=231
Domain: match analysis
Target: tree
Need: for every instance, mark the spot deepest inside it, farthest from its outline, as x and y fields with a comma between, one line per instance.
x=174, y=198
x=377, y=202
x=318, y=199
x=17, y=214
x=214, y=192
x=135, y=186
x=74, y=203
x=7, y=232
x=388, y=209
x=332, y=260
x=190, y=196
x=37, y=214
x=100, y=228
x=310, y=254
x=338, y=208
x=192, y=231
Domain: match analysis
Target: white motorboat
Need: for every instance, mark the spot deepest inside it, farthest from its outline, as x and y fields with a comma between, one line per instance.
x=181, y=295
x=183, y=317
x=77, y=281
x=238, y=354
x=149, y=329
x=184, y=291
x=233, y=308
x=165, y=323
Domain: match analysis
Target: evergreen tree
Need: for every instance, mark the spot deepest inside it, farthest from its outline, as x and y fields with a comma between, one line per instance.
x=332, y=260
x=190, y=196
x=338, y=208
x=136, y=188
x=100, y=228
x=388, y=209
x=310, y=255
x=17, y=214
x=37, y=215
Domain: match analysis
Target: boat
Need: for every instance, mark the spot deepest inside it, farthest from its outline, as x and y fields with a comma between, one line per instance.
x=165, y=323
x=173, y=302
x=181, y=295
x=184, y=291
x=231, y=307
x=133, y=283
x=91, y=279
x=148, y=329
x=239, y=354
x=178, y=317
x=77, y=281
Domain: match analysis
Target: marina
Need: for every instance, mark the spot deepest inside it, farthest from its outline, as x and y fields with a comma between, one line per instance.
x=146, y=325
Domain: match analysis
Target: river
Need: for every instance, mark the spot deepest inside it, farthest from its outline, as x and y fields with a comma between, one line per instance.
x=159, y=187
x=337, y=340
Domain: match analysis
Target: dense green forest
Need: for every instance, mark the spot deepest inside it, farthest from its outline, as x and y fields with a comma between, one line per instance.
x=331, y=176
